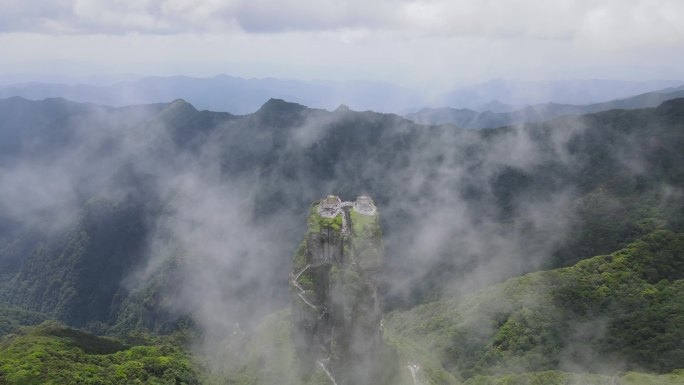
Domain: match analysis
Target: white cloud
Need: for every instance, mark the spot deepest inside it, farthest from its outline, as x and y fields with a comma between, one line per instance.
x=561, y=19
x=431, y=43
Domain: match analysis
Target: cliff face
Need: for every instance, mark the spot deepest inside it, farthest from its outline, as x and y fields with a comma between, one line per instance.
x=336, y=310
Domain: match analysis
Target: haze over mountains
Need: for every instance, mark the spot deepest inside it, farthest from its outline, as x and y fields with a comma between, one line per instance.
x=498, y=114
x=341, y=192
x=164, y=218
x=241, y=96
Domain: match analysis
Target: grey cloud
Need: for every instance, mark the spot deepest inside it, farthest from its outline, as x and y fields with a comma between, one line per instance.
x=606, y=20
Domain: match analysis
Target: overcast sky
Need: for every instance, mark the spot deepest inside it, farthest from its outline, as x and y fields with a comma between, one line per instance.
x=430, y=43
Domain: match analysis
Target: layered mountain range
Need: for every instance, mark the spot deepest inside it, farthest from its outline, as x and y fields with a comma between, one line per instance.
x=243, y=96
x=497, y=115
x=165, y=219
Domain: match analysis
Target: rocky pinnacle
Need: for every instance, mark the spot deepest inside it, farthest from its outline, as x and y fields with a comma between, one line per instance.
x=336, y=308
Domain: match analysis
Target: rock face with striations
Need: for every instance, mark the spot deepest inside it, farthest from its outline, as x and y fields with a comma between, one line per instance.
x=336, y=309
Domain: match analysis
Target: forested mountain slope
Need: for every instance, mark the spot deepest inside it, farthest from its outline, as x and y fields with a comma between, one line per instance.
x=100, y=206
x=166, y=218
x=605, y=320
x=53, y=354
x=607, y=314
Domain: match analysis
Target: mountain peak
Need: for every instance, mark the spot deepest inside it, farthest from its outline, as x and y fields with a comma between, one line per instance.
x=178, y=107
x=179, y=102
x=335, y=302
x=342, y=108
x=279, y=105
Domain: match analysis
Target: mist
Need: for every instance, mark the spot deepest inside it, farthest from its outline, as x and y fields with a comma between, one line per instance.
x=217, y=221
x=160, y=163
x=226, y=201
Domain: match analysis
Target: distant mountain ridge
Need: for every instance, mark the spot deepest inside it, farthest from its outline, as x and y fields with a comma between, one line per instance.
x=242, y=96
x=570, y=91
x=467, y=118
x=226, y=93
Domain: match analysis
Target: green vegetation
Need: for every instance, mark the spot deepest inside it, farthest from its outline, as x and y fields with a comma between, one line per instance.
x=409, y=352
x=76, y=276
x=367, y=243
x=335, y=308
x=604, y=315
x=53, y=354
x=364, y=225
x=618, y=176
x=269, y=358
x=565, y=378
x=12, y=318
x=621, y=169
x=317, y=222
x=622, y=310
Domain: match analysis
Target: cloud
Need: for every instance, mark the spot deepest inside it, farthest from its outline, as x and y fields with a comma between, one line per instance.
x=612, y=20
x=433, y=44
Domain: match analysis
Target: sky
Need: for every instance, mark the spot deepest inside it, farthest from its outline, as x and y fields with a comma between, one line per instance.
x=428, y=43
